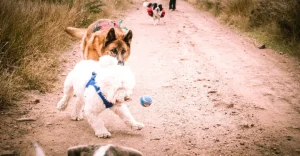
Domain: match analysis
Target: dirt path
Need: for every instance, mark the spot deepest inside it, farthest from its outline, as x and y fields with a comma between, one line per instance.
x=214, y=93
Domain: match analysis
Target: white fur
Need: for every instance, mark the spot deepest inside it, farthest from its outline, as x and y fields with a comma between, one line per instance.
x=116, y=83
x=156, y=16
x=38, y=149
x=102, y=150
x=121, y=151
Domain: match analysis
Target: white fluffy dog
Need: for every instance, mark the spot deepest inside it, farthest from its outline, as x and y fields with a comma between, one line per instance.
x=108, y=87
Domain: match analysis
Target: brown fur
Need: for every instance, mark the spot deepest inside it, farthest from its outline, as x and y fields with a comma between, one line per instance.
x=107, y=41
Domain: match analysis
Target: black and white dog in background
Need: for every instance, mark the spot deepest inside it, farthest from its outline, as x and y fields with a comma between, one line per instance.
x=155, y=10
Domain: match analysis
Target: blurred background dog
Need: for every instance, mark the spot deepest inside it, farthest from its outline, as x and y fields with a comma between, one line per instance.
x=155, y=10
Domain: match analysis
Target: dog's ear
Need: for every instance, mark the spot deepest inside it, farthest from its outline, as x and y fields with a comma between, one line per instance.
x=160, y=7
x=38, y=149
x=154, y=5
x=96, y=43
x=82, y=150
x=111, y=36
x=121, y=150
x=149, y=5
x=128, y=37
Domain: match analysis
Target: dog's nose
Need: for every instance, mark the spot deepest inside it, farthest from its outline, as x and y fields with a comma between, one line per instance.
x=121, y=63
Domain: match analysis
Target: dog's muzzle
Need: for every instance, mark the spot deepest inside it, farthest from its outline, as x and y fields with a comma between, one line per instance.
x=121, y=63
x=157, y=10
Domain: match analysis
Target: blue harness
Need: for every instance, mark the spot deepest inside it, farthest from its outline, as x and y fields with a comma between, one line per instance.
x=92, y=82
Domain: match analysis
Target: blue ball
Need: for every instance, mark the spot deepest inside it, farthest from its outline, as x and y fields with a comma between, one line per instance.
x=146, y=101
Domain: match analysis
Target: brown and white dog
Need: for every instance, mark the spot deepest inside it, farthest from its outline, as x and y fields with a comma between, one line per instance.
x=103, y=37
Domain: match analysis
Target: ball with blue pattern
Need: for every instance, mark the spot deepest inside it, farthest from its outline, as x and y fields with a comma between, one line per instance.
x=146, y=100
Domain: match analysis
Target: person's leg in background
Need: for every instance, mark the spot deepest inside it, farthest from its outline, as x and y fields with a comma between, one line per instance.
x=174, y=4
x=171, y=4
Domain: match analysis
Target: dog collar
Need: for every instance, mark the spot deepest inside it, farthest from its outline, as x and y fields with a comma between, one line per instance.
x=92, y=82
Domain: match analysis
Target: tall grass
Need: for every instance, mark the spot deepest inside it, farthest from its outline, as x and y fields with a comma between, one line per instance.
x=275, y=23
x=32, y=38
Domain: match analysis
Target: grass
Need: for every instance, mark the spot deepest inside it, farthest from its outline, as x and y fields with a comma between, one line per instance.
x=32, y=37
x=274, y=23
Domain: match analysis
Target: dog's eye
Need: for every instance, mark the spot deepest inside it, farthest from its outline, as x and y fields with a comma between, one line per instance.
x=123, y=51
x=114, y=51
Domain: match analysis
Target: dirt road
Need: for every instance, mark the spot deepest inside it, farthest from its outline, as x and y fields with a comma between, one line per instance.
x=215, y=93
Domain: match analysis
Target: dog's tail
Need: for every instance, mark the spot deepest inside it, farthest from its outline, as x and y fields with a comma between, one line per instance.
x=78, y=150
x=76, y=32
x=147, y=4
x=38, y=149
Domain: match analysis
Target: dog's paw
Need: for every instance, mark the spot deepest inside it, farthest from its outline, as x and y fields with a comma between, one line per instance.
x=61, y=105
x=77, y=117
x=138, y=126
x=103, y=134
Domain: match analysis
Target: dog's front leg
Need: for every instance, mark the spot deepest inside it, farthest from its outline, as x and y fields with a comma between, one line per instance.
x=77, y=112
x=97, y=124
x=123, y=112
